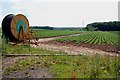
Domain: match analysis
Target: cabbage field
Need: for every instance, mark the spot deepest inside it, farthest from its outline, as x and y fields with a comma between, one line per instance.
x=98, y=37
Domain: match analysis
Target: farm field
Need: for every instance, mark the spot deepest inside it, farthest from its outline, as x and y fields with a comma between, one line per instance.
x=53, y=33
x=63, y=66
x=106, y=41
x=106, y=38
x=24, y=49
x=81, y=66
x=59, y=40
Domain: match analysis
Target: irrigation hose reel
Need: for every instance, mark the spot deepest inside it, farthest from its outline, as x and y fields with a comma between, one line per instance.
x=16, y=27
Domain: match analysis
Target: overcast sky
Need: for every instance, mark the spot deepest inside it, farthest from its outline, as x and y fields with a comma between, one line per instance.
x=62, y=13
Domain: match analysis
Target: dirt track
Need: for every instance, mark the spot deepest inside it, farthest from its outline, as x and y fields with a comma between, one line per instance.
x=52, y=38
x=46, y=43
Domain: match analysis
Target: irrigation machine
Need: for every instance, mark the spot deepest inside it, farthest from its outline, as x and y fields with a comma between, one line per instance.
x=16, y=29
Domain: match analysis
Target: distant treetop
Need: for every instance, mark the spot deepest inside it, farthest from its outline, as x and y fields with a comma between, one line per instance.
x=104, y=26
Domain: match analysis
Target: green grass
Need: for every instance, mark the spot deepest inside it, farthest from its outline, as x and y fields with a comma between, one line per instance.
x=24, y=49
x=68, y=66
x=98, y=37
x=53, y=33
x=0, y=30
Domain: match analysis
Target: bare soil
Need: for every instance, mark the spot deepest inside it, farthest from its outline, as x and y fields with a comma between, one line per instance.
x=29, y=73
x=103, y=47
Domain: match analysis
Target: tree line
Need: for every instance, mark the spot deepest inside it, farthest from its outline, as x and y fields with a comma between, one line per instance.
x=96, y=26
x=104, y=26
x=42, y=27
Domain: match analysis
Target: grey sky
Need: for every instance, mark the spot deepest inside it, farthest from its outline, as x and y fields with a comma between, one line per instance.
x=63, y=14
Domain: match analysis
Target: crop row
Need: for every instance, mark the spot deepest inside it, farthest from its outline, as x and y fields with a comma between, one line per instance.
x=110, y=38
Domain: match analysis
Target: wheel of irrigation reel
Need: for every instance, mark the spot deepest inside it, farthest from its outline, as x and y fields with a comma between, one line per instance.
x=16, y=27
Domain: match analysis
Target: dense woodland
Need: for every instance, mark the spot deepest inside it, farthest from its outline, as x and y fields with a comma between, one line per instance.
x=104, y=26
